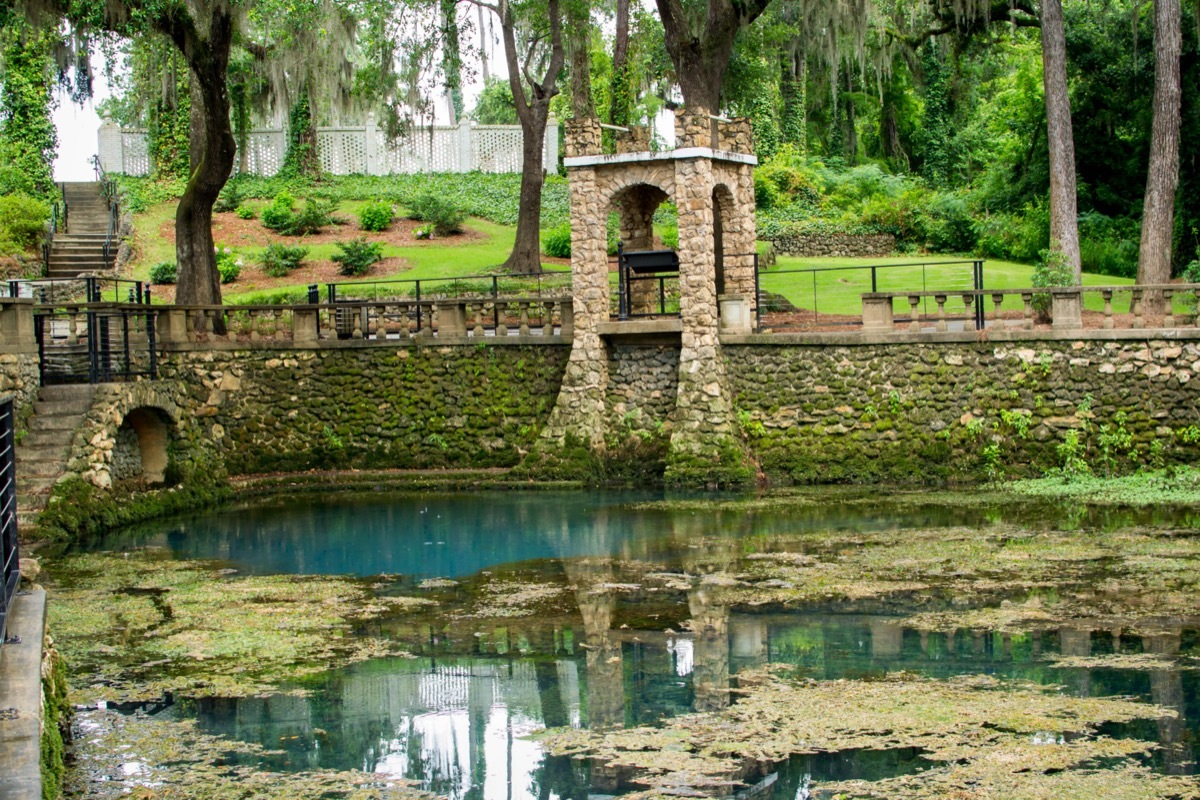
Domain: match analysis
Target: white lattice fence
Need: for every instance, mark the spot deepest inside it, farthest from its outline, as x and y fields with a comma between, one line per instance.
x=358, y=150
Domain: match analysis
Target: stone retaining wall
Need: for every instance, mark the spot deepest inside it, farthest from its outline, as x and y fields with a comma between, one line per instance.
x=838, y=244
x=406, y=407
x=926, y=411
x=19, y=377
x=642, y=386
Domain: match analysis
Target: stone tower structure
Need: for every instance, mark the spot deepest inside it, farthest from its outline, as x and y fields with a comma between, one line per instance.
x=709, y=177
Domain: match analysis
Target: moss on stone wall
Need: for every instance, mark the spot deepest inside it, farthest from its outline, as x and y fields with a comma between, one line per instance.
x=948, y=411
x=56, y=721
x=406, y=407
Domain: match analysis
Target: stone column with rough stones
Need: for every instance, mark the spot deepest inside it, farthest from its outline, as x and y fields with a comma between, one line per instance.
x=704, y=448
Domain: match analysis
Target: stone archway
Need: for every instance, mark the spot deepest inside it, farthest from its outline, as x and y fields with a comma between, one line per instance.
x=140, y=452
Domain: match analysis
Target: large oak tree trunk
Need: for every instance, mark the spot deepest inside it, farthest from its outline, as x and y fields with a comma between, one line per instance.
x=579, y=37
x=526, y=253
x=701, y=58
x=1064, y=218
x=1162, y=178
x=198, y=282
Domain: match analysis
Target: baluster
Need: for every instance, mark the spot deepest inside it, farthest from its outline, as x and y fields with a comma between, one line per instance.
x=358, y=326
x=548, y=322
x=501, y=312
x=254, y=321
x=940, y=299
x=210, y=317
x=1169, y=304
x=189, y=316
x=969, y=305
x=1108, y=312
x=73, y=327
x=1196, y=319
x=997, y=302
x=524, y=310
x=477, y=328
x=1135, y=305
x=1027, y=299
x=402, y=330
x=914, y=323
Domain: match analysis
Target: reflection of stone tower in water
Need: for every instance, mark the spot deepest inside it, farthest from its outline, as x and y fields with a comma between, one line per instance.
x=709, y=177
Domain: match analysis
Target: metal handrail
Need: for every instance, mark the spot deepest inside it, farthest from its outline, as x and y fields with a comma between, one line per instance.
x=10, y=555
x=108, y=189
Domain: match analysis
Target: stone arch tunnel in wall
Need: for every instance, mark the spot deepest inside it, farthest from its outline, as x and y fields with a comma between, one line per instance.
x=142, y=448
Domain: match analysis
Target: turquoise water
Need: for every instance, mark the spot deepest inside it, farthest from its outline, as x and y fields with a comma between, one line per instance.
x=455, y=718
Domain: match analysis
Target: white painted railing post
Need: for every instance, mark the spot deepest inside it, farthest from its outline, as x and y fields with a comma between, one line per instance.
x=464, y=147
x=109, y=146
x=371, y=147
x=550, y=154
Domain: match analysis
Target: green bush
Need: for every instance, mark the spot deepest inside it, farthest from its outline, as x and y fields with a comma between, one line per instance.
x=375, y=216
x=228, y=264
x=1052, y=270
x=556, y=242
x=279, y=216
x=22, y=223
x=245, y=211
x=163, y=273
x=670, y=237
x=230, y=197
x=445, y=217
x=947, y=224
x=280, y=259
x=357, y=256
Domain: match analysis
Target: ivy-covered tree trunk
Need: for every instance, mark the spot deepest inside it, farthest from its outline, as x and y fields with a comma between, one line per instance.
x=302, y=158
x=579, y=27
x=620, y=99
x=452, y=59
x=1162, y=178
x=793, y=123
x=207, y=55
x=1064, y=216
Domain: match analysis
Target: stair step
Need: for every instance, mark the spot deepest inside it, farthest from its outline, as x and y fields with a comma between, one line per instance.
x=49, y=438
x=67, y=392
x=64, y=408
x=46, y=423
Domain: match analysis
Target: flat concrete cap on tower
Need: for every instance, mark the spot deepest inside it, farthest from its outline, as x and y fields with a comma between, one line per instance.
x=666, y=155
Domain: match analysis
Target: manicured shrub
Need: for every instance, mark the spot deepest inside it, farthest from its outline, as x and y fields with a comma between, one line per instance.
x=280, y=259
x=163, y=273
x=22, y=222
x=556, y=242
x=357, y=256
x=375, y=217
x=245, y=211
x=231, y=196
x=279, y=216
x=228, y=265
x=445, y=217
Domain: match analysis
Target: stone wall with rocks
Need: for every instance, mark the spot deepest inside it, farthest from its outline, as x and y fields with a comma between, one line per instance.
x=642, y=384
x=372, y=406
x=928, y=411
x=19, y=377
x=839, y=245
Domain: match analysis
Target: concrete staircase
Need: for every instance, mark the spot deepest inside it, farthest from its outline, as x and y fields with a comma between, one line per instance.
x=80, y=248
x=43, y=452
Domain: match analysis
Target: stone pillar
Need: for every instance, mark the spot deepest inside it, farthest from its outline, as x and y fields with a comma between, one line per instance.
x=170, y=327
x=580, y=408
x=305, y=328
x=636, y=140
x=735, y=136
x=738, y=228
x=877, y=314
x=703, y=450
x=583, y=137
x=1066, y=309
x=694, y=128
x=735, y=314
x=451, y=319
x=16, y=323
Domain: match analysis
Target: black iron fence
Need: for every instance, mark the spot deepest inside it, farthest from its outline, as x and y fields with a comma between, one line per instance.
x=86, y=289
x=10, y=562
x=821, y=296
x=543, y=283
x=95, y=343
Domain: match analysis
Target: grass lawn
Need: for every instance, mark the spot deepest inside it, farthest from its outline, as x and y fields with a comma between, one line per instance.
x=838, y=291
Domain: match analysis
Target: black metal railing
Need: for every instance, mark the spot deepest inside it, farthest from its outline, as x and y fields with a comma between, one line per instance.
x=52, y=226
x=108, y=188
x=417, y=290
x=95, y=343
x=963, y=275
x=10, y=556
x=52, y=291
